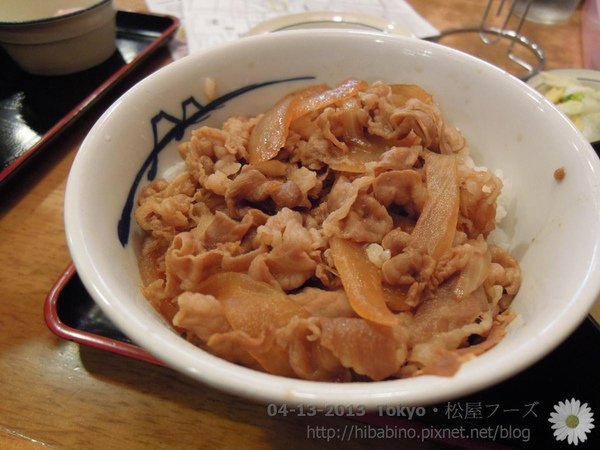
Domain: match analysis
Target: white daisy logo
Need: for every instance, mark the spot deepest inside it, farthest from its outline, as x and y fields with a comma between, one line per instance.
x=571, y=420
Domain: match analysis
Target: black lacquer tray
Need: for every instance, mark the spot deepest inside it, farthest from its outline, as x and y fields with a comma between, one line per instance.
x=35, y=109
x=499, y=416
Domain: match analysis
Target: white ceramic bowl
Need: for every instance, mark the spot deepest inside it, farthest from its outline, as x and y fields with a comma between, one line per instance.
x=587, y=77
x=330, y=19
x=554, y=228
x=584, y=77
x=58, y=37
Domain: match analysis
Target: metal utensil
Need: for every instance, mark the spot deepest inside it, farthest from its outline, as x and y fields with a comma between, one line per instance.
x=502, y=12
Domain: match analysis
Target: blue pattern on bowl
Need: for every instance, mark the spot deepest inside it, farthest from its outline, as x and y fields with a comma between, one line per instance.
x=176, y=133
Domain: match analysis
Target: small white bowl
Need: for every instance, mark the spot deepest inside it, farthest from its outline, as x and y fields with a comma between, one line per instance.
x=553, y=228
x=330, y=19
x=58, y=37
x=584, y=77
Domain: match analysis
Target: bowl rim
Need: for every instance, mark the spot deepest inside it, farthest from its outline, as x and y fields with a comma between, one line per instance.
x=326, y=19
x=17, y=24
x=264, y=387
x=581, y=74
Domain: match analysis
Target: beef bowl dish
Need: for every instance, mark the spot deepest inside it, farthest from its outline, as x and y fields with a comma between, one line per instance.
x=337, y=217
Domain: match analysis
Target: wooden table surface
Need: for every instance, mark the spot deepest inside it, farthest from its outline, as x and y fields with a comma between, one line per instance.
x=57, y=394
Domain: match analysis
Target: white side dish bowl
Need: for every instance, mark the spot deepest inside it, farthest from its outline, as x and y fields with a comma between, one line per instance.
x=576, y=92
x=58, y=37
x=553, y=227
x=330, y=19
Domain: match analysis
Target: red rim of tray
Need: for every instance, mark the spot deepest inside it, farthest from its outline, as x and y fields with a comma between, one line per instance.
x=83, y=337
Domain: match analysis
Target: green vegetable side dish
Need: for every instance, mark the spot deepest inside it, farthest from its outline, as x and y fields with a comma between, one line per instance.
x=578, y=98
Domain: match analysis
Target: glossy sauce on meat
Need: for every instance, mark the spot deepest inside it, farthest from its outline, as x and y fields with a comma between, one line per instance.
x=339, y=236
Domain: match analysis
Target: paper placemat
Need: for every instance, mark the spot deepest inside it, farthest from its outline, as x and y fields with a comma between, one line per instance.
x=209, y=22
